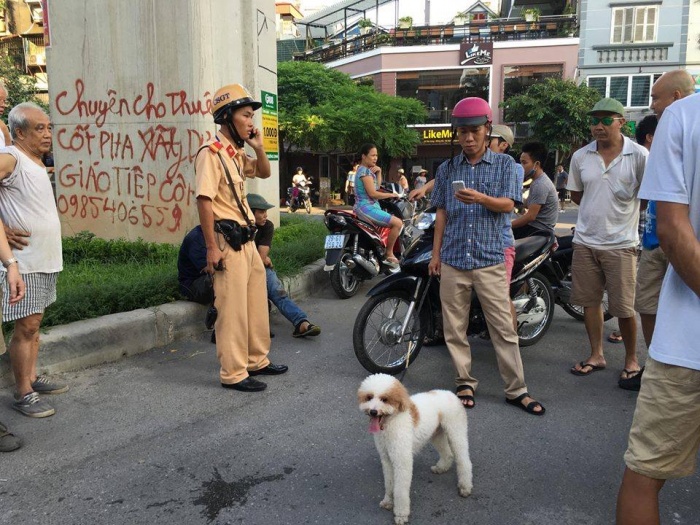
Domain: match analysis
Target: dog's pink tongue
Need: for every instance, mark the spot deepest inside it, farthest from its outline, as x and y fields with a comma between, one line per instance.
x=374, y=425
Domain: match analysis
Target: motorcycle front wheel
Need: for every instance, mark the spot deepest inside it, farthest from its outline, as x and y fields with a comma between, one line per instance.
x=532, y=325
x=344, y=283
x=307, y=205
x=376, y=337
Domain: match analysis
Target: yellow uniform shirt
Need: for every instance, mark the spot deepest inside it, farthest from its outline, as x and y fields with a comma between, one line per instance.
x=210, y=178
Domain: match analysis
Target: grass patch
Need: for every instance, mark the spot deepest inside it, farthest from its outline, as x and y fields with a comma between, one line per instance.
x=103, y=277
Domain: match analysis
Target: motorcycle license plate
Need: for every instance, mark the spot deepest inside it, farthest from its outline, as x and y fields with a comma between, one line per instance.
x=334, y=242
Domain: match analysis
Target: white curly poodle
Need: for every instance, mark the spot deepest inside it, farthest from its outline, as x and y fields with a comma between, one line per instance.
x=402, y=425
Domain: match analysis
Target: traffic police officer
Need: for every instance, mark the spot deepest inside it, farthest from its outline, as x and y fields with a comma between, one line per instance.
x=221, y=167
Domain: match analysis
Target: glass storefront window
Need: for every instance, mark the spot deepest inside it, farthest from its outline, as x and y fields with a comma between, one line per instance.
x=441, y=90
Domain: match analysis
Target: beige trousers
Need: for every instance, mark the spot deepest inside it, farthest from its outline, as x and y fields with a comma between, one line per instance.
x=243, y=324
x=491, y=286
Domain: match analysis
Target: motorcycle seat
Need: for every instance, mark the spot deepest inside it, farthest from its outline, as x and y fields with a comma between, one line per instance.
x=565, y=242
x=526, y=246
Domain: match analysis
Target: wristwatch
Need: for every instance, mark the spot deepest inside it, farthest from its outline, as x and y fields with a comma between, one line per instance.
x=9, y=261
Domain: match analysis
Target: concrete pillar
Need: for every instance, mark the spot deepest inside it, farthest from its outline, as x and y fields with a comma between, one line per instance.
x=130, y=85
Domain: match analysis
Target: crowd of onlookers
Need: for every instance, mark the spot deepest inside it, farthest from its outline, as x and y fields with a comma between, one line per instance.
x=225, y=261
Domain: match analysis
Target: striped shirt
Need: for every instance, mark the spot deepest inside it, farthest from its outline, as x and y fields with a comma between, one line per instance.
x=473, y=235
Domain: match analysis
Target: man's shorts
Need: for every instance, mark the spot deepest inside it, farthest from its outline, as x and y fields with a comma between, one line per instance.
x=373, y=214
x=40, y=293
x=650, y=275
x=510, y=262
x=665, y=434
x=594, y=271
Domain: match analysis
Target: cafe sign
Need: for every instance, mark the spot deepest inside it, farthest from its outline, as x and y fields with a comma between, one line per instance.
x=476, y=54
x=435, y=135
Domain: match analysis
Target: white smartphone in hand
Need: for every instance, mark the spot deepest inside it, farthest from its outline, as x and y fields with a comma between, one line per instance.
x=458, y=185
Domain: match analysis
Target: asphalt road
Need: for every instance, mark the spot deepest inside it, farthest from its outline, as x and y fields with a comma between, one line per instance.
x=155, y=439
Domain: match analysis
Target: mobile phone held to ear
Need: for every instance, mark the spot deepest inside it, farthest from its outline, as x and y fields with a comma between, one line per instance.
x=252, y=135
x=458, y=185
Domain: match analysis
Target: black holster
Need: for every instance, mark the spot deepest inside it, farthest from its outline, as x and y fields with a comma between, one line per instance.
x=235, y=234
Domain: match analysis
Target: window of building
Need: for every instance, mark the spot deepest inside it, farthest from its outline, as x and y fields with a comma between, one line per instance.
x=632, y=90
x=441, y=90
x=634, y=24
x=516, y=79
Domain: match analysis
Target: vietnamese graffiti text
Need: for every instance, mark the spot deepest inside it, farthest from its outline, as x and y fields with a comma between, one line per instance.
x=115, y=171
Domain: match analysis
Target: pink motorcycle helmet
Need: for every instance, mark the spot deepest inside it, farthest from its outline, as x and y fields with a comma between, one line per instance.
x=471, y=111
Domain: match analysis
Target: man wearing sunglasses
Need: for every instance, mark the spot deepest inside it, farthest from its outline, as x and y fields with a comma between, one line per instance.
x=604, y=179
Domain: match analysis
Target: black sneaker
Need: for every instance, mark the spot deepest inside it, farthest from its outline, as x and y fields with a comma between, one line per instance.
x=247, y=385
x=31, y=405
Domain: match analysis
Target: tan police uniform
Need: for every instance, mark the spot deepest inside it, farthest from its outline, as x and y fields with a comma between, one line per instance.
x=243, y=324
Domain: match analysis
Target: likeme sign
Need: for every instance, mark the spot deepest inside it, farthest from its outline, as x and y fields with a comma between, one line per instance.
x=435, y=135
x=479, y=54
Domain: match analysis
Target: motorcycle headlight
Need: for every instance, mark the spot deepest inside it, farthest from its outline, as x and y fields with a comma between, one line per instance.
x=424, y=221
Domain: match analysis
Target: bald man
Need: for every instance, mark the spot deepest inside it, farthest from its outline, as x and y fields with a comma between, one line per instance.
x=671, y=86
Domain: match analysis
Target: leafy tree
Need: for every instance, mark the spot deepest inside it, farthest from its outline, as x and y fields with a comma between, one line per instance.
x=324, y=110
x=20, y=87
x=556, y=110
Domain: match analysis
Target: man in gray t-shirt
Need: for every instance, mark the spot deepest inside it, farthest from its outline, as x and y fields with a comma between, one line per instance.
x=541, y=203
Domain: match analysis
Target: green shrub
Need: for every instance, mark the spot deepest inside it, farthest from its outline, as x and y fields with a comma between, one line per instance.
x=103, y=277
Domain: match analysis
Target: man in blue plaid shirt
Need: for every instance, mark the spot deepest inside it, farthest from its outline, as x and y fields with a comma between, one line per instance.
x=468, y=251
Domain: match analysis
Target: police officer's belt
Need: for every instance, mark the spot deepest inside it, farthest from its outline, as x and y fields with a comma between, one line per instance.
x=235, y=234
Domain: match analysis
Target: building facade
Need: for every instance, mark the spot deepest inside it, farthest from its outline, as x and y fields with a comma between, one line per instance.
x=441, y=74
x=627, y=44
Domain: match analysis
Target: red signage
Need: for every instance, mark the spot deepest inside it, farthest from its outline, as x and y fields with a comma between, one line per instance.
x=45, y=15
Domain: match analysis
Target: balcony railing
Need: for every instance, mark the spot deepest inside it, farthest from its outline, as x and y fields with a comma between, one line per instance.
x=632, y=53
x=497, y=30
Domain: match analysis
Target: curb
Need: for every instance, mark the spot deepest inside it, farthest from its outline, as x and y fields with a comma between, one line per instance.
x=109, y=338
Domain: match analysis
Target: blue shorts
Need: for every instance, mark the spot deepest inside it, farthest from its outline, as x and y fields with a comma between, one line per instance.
x=374, y=214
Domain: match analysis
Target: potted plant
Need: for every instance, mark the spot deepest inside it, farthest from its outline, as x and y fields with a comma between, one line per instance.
x=531, y=14
x=405, y=22
x=460, y=19
x=365, y=26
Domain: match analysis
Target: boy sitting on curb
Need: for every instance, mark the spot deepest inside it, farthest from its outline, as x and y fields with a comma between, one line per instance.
x=275, y=291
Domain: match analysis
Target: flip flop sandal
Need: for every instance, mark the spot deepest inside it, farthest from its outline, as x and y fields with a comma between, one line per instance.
x=615, y=337
x=529, y=408
x=583, y=364
x=631, y=382
x=469, y=398
x=312, y=330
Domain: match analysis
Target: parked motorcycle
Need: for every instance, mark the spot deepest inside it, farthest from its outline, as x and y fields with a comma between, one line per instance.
x=560, y=277
x=355, y=249
x=299, y=197
x=404, y=310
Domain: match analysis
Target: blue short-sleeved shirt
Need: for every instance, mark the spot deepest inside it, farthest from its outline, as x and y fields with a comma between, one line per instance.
x=508, y=239
x=474, y=235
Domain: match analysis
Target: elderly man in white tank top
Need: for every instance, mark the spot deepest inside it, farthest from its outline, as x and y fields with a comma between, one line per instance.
x=27, y=203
